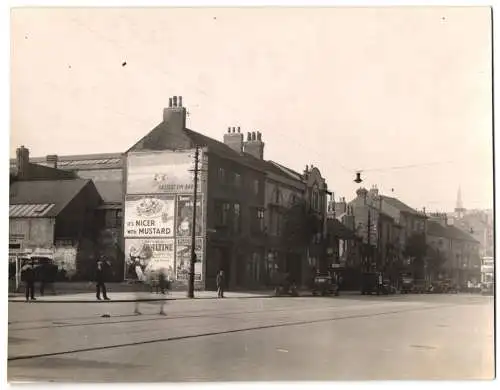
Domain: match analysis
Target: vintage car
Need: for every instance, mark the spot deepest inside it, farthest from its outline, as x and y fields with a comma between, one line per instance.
x=407, y=285
x=325, y=284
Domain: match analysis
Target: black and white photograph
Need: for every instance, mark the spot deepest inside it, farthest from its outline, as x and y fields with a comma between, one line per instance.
x=259, y=194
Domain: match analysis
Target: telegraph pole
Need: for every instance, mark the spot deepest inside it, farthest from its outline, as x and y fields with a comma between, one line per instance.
x=190, y=293
x=369, y=227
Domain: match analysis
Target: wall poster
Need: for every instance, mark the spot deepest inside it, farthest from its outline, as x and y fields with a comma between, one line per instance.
x=160, y=172
x=144, y=256
x=183, y=258
x=149, y=216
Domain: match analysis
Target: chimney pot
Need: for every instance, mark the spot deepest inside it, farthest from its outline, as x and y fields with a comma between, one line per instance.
x=180, y=101
x=175, y=101
x=238, y=129
x=259, y=136
x=170, y=102
x=249, y=136
x=253, y=136
x=229, y=129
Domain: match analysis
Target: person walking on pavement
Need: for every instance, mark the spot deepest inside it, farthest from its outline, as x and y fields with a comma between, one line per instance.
x=220, y=284
x=100, y=278
x=142, y=281
x=28, y=276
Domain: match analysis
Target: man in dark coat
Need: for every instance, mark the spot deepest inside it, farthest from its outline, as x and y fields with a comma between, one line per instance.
x=100, y=278
x=220, y=284
x=28, y=276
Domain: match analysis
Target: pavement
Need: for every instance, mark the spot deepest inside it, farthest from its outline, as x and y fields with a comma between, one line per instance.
x=351, y=337
x=141, y=296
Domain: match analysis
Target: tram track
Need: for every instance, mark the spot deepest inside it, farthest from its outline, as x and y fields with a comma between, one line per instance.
x=222, y=332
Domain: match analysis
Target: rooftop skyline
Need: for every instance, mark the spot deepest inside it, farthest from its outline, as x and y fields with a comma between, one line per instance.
x=402, y=94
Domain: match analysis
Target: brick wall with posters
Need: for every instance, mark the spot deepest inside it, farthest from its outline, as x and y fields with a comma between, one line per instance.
x=158, y=215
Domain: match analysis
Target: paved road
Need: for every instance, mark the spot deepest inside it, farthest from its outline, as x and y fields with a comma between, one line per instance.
x=345, y=338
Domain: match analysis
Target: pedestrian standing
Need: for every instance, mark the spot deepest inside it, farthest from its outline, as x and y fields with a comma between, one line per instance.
x=100, y=278
x=220, y=284
x=28, y=276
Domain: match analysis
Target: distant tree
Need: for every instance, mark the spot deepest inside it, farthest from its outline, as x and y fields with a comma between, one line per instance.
x=300, y=224
x=416, y=250
x=435, y=261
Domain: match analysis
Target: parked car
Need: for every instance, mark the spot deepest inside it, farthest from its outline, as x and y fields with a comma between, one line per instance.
x=406, y=285
x=419, y=286
x=325, y=284
x=488, y=289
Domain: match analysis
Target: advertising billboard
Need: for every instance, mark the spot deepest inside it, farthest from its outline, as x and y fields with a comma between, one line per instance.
x=144, y=256
x=183, y=258
x=160, y=172
x=184, y=217
x=149, y=216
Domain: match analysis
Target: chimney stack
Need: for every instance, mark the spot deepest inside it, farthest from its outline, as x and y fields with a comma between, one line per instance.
x=175, y=114
x=254, y=145
x=234, y=139
x=22, y=162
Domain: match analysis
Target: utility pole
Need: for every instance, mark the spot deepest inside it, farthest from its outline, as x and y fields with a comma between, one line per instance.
x=193, y=229
x=369, y=228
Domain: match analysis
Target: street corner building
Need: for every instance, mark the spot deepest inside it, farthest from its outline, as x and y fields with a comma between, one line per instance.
x=253, y=216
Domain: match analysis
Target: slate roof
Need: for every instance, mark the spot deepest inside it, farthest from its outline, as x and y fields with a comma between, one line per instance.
x=81, y=161
x=57, y=193
x=450, y=232
x=224, y=151
x=401, y=206
x=459, y=234
x=110, y=191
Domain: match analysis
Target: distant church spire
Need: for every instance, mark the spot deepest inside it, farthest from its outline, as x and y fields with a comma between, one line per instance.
x=459, y=209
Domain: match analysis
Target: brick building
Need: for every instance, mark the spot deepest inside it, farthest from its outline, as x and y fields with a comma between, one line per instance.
x=461, y=251
x=241, y=198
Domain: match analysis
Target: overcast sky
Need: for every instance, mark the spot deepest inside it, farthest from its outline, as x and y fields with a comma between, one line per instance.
x=343, y=89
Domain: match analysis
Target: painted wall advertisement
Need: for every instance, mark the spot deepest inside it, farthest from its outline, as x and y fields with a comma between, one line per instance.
x=160, y=172
x=184, y=220
x=149, y=216
x=143, y=256
x=183, y=258
x=159, y=208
